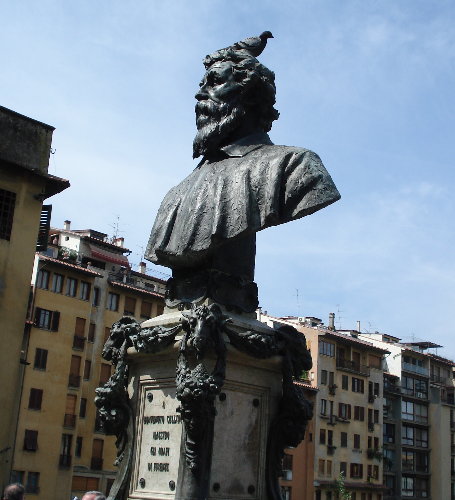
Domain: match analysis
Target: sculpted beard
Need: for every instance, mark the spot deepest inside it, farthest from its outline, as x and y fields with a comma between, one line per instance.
x=214, y=124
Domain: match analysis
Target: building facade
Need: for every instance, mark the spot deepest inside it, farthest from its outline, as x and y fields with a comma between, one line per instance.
x=24, y=185
x=81, y=285
x=418, y=420
x=345, y=435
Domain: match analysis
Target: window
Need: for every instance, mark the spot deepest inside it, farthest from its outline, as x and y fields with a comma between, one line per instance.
x=85, y=290
x=17, y=476
x=40, y=359
x=30, y=440
x=83, y=408
x=373, y=472
x=345, y=382
x=357, y=441
x=47, y=320
x=74, y=379
x=130, y=306
x=357, y=471
x=105, y=373
x=42, y=280
x=7, y=204
x=357, y=385
x=322, y=436
x=323, y=377
x=65, y=450
x=87, y=369
x=32, y=485
x=344, y=411
x=78, y=448
x=91, y=332
x=344, y=439
x=331, y=378
x=97, y=454
x=71, y=287
x=359, y=413
x=389, y=433
x=112, y=301
x=321, y=467
x=96, y=296
x=343, y=468
x=146, y=309
x=330, y=438
x=407, y=486
x=326, y=348
x=159, y=309
x=57, y=283
x=376, y=416
x=323, y=407
x=35, y=399
x=421, y=438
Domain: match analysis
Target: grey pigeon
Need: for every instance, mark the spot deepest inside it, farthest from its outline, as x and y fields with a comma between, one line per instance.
x=253, y=45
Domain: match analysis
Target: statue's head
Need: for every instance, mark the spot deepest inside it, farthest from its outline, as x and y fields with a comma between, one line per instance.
x=235, y=99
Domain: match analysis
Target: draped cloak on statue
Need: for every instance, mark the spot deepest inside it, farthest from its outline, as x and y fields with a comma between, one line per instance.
x=254, y=186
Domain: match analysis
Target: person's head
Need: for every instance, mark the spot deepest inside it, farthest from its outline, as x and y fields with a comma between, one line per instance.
x=93, y=495
x=235, y=98
x=14, y=491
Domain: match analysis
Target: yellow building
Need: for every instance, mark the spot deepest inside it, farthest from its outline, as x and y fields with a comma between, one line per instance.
x=345, y=434
x=24, y=184
x=81, y=286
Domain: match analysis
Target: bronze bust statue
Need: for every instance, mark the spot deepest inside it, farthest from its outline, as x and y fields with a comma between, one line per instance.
x=205, y=229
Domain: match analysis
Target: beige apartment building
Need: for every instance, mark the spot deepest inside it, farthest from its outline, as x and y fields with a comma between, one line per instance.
x=24, y=184
x=419, y=425
x=81, y=285
x=346, y=432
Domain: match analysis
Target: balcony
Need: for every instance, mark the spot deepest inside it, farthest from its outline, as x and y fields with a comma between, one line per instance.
x=436, y=379
x=96, y=463
x=78, y=343
x=371, y=426
x=74, y=381
x=331, y=449
x=409, y=367
x=69, y=421
x=392, y=388
x=413, y=393
x=418, y=419
x=65, y=461
x=353, y=367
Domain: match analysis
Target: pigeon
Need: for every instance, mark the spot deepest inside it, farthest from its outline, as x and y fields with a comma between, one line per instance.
x=253, y=45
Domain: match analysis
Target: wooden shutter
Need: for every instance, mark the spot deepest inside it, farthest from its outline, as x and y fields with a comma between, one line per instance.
x=44, y=225
x=70, y=404
x=55, y=321
x=146, y=309
x=75, y=365
x=130, y=305
x=79, y=329
x=87, y=369
x=105, y=373
x=91, y=332
x=97, y=448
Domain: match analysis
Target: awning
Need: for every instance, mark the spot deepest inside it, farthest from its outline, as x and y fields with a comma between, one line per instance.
x=115, y=258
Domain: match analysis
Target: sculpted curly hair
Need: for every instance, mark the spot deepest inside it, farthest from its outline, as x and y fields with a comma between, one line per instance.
x=258, y=83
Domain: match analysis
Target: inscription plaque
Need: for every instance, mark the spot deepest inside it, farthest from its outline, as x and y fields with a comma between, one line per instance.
x=158, y=439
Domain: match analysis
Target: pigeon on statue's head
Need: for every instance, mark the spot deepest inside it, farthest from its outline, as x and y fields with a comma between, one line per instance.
x=253, y=45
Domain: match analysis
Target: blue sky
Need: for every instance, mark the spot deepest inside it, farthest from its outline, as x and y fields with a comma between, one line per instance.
x=366, y=84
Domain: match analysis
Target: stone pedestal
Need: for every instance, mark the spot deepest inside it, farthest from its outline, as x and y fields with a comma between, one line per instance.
x=218, y=429
x=244, y=409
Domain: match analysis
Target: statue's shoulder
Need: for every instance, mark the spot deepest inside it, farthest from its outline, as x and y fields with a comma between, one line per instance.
x=293, y=152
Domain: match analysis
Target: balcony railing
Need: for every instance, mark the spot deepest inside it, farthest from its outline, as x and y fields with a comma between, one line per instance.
x=65, y=461
x=409, y=367
x=353, y=366
x=78, y=343
x=96, y=463
x=419, y=419
x=413, y=393
x=74, y=380
x=69, y=420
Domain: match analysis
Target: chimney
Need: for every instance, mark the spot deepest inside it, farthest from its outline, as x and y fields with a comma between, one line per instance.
x=119, y=241
x=358, y=326
x=67, y=225
x=143, y=267
x=259, y=313
x=331, y=321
